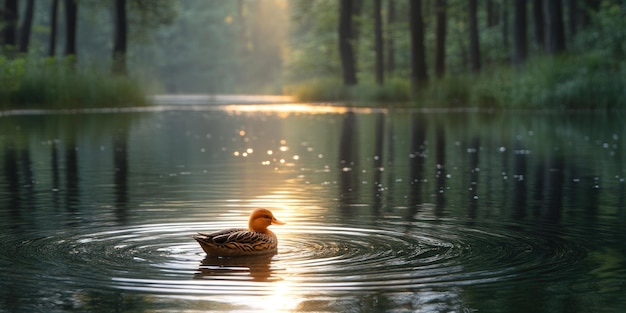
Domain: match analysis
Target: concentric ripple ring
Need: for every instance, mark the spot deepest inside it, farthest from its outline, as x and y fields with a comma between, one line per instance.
x=163, y=259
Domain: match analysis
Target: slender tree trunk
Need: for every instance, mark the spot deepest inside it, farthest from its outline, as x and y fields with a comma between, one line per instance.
x=346, y=50
x=440, y=37
x=474, y=40
x=505, y=24
x=492, y=19
x=71, y=12
x=10, y=17
x=54, y=9
x=120, y=38
x=379, y=45
x=519, y=32
x=419, y=76
x=391, y=19
x=555, y=34
x=538, y=18
x=26, y=26
x=572, y=6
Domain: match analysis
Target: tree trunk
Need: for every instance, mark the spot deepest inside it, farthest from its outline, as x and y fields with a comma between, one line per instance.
x=519, y=32
x=474, y=40
x=54, y=9
x=505, y=24
x=71, y=11
x=492, y=16
x=26, y=26
x=120, y=38
x=572, y=6
x=538, y=18
x=346, y=50
x=391, y=19
x=379, y=45
x=555, y=34
x=419, y=76
x=440, y=37
x=10, y=16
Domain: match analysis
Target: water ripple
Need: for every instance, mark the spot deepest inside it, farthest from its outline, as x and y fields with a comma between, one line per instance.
x=163, y=259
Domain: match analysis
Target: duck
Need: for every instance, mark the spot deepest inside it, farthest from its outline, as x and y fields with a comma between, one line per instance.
x=254, y=240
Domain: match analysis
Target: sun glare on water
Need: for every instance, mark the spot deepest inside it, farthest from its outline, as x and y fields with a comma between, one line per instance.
x=292, y=108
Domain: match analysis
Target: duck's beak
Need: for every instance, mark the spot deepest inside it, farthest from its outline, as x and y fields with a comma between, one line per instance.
x=277, y=222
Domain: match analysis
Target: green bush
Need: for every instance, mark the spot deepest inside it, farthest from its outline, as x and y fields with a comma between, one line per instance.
x=392, y=91
x=561, y=83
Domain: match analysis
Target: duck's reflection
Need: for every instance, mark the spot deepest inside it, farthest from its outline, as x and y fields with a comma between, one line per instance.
x=257, y=267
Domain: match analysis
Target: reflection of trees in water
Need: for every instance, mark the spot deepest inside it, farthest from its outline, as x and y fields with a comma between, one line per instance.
x=543, y=184
x=549, y=184
x=474, y=169
x=520, y=177
x=12, y=176
x=379, y=142
x=72, y=184
x=54, y=165
x=440, y=168
x=417, y=159
x=348, y=154
x=20, y=182
x=120, y=178
x=50, y=177
x=390, y=167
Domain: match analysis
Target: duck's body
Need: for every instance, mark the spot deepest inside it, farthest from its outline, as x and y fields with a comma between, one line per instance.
x=236, y=241
x=256, y=239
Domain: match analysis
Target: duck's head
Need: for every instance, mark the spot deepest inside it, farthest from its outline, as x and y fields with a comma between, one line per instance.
x=260, y=219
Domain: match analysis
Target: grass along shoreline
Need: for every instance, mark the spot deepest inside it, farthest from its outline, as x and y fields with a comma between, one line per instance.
x=587, y=82
x=545, y=83
x=48, y=84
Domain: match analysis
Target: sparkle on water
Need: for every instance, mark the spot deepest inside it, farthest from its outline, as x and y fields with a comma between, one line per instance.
x=386, y=210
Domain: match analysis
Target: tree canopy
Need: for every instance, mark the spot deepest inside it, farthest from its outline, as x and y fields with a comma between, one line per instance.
x=250, y=46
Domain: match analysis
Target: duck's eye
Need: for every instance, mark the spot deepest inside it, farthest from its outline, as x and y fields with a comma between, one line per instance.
x=266, y=216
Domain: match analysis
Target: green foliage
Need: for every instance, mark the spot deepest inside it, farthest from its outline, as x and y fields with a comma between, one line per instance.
x=562, y=83
x=607, y=35
x=450, y=91
x=47, y=84
x=392, y=91
x=591, y=76
x=290, y=46
x=312, y=50
x=11, y=72
x=553, y=83
x=147, y=15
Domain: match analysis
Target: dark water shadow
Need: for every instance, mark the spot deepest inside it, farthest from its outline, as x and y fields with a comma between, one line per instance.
x=417, y=161
x=440, y=174
x=474, y=162
x=348, y=167
x=379, y=142
x=257, y=267
x=120, y=178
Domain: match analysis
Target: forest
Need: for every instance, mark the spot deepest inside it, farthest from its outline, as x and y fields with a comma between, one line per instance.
x=550, y=54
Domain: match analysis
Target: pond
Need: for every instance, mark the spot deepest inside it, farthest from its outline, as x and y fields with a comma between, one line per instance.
x=387, y=210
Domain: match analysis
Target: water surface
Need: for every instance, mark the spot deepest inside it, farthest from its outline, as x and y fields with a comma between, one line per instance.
x=387, y=210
